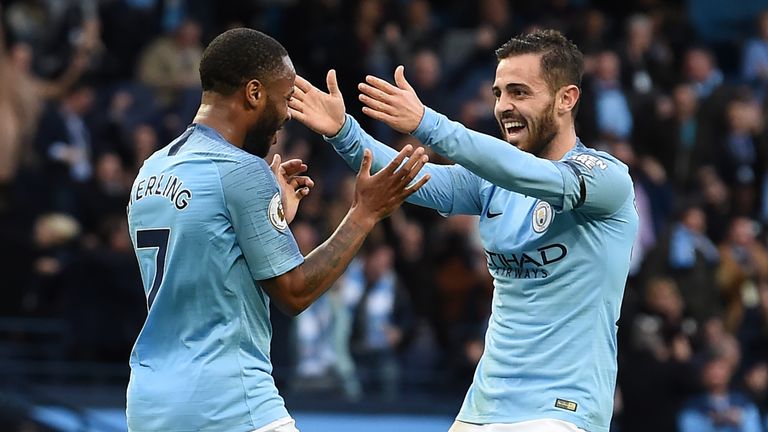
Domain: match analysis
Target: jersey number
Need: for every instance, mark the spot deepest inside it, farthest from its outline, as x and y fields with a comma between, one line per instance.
x=154, y=238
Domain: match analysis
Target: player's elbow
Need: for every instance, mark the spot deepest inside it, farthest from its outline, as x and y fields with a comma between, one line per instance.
x=287, y=293
x=291, y=307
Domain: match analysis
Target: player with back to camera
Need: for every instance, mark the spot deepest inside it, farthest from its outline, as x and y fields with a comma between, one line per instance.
x=209, y=222
x=557, y=221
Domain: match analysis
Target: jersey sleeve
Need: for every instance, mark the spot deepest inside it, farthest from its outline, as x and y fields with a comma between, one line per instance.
x=594, y=184
x=452, y=189
x=253, y=202
x=587, y=182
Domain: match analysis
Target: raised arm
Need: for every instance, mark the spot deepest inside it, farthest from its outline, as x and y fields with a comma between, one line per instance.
x=451, y=190
x=587, y=180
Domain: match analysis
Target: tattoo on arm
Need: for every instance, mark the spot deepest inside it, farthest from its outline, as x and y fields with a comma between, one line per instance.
x=329, y=260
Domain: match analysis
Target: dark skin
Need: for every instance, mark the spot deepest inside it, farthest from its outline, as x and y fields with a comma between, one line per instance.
x=376, y=196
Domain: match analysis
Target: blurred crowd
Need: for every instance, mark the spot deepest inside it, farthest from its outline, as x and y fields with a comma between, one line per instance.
x=677, y=90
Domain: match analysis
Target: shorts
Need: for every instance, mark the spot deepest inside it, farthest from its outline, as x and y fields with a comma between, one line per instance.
x=543, y=425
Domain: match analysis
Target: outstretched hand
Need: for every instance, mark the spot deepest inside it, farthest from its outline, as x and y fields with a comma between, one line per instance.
x=293, y=186
x=378, y=195
x=322, y=112
x=397, y=106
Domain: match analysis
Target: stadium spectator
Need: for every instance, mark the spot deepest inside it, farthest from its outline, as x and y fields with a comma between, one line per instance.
x=380, y=318
x=656, y=374
x=690, y=257
x=169, y=65
x=64, y=144
x=719, y=409
x=743, y=264
x=754, y=69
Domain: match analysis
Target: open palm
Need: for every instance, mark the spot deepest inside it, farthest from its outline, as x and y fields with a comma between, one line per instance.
x=322, y=112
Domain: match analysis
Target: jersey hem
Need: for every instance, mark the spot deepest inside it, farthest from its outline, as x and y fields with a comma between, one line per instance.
x=578, y=422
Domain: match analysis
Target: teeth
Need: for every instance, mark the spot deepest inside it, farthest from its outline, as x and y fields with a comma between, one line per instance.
x=513, y=124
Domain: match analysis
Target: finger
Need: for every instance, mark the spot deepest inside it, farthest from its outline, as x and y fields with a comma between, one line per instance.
x=379, y=106
x=275, y=165
x=303, y=84
x=293, y=167
x=421, y=161
x=295, y=171
x=298, y=182
x=301, y=193
x=365, y=165
x=411, y=190
x=381, y=84
x=400, y=78
x=299, y=91
x=374, y=93
x=296, y=104
x=297, y=115
x=398, y=160
x=297, y=95
x=333, y=85
x=413, y=160
x=378, y=115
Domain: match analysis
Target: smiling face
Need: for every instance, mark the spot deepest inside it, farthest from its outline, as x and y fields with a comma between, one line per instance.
x=525, y=104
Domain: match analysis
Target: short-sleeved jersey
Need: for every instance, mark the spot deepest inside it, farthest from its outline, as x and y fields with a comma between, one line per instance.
x=206, y=221
x=557, y=237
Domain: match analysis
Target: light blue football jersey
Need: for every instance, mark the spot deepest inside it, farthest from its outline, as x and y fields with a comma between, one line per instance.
x=557, y=237
x=206, y=222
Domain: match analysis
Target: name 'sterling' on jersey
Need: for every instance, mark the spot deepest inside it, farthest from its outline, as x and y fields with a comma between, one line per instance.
x=526, y=265
x=170, y=187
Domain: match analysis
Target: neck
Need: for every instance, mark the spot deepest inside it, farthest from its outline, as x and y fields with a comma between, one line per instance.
x=219, y=113
x=563, y=142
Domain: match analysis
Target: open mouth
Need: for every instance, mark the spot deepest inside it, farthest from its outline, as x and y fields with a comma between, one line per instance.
x=513, y=127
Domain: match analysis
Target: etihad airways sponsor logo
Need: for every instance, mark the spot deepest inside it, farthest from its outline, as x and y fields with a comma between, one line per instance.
x=526, y=265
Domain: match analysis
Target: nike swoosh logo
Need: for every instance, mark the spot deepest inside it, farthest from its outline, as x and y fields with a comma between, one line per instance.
x=490, y=215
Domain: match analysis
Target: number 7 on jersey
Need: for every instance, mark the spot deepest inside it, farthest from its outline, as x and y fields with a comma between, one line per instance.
x=154, y=238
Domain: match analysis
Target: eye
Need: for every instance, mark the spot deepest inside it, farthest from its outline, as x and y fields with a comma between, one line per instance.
x=496, y=93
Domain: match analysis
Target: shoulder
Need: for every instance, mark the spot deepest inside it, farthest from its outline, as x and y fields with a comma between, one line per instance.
x=754, y=44
x=741, y=400
x=600, y=166
x=236, y=161
x=591, y=160
x=696, y=403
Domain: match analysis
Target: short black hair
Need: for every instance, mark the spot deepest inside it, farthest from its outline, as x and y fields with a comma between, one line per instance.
x=238, y=56
x=562, y=63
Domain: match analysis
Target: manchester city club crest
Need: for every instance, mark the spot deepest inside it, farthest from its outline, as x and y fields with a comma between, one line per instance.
x=276, y=215
x=542, y=216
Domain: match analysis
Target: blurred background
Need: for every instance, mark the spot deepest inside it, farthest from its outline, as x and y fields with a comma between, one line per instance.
x=675, y=89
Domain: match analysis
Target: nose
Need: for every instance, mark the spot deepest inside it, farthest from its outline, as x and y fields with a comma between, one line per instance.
x=505, y=103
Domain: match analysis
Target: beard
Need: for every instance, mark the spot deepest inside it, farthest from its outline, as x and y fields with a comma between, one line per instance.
x=263, y=134
x=541, y=131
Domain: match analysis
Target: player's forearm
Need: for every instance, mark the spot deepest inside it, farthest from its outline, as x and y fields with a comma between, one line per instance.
x=351, y=142
x=323, y=266
x=491, y=158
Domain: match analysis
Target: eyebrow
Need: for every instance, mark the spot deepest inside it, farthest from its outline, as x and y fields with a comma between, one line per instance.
x=513, y=86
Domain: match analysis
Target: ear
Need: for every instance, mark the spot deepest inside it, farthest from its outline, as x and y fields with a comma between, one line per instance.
x=254, y=94
x=567, y=98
